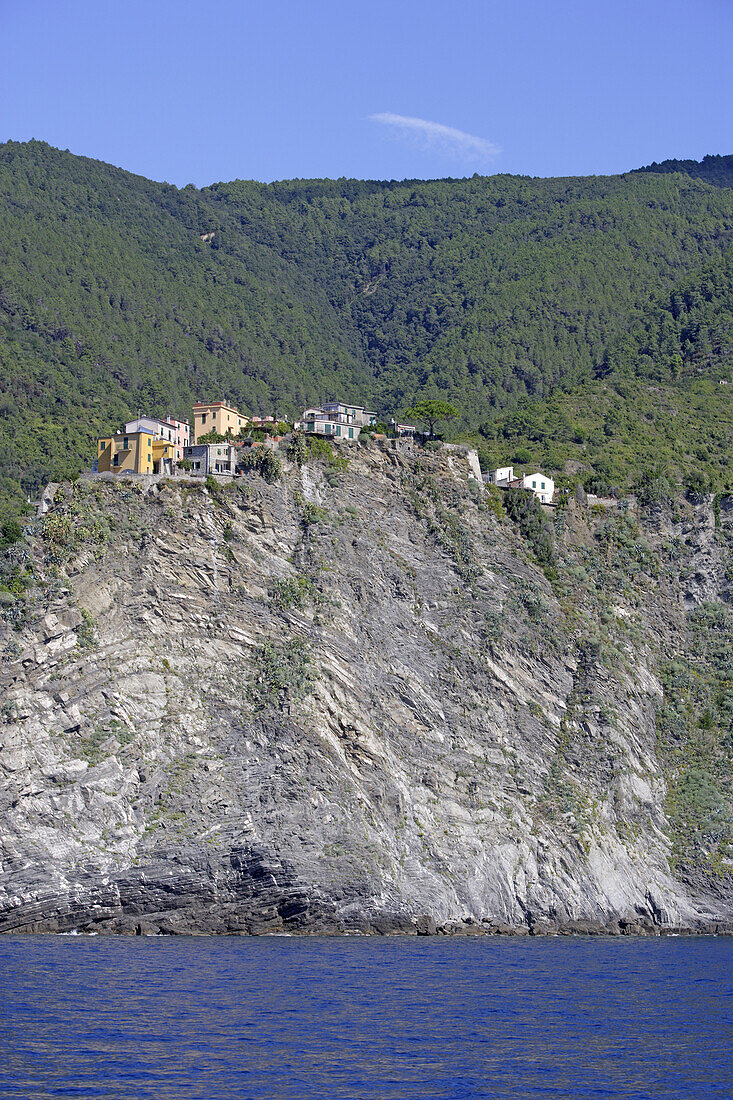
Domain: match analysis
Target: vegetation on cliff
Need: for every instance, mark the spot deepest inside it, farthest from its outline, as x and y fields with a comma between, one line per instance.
x=566, y=318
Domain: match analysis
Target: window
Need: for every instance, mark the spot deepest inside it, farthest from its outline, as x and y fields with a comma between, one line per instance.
x=126, y=443
x=338, y=430
x=351, y=433
x=116, y=460
x=542, y=485
x=534, y=484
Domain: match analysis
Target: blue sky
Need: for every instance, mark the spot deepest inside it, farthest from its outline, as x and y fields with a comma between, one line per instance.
x=193, y=92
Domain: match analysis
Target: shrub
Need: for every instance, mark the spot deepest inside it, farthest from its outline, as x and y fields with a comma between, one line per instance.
x=524, y=508
x=294, y=592
x=282, y=672
x=297, y=449
x=265, y=462
x=319, y=447
x=86, y=634
x=493, y=501
x=654, y=488
x=16, y=575
x=10, y=532
x=312, y=514
x=212, y=437
x=697, y=486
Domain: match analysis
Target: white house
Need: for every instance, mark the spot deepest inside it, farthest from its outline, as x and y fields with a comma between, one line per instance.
x=503, y=476
x=541, y=485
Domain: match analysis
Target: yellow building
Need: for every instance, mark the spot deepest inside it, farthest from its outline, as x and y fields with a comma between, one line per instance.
x=217, y=417
x=164, y=453
x=132, y=451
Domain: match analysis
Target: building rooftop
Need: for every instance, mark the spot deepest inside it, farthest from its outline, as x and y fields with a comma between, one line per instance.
x=214, y=405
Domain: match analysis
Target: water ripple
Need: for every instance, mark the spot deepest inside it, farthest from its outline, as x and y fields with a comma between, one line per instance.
x=393, y=1019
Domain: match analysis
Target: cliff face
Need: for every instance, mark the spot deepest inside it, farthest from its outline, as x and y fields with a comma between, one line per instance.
x=351, y=701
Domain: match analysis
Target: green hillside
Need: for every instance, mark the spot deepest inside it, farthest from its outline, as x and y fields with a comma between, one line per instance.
x=487, y=289
x=713, y=169
x=511, y=297
x=662, y=398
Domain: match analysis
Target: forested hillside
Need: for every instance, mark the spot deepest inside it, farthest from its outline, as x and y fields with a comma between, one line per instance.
x=661, y=401
x=585, y=311
x=713, y=169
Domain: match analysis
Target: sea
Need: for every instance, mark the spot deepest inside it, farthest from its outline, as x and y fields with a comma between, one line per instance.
x=171, y=1018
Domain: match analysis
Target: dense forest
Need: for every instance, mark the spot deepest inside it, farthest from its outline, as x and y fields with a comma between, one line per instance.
x=712, y=169
x=583, y=320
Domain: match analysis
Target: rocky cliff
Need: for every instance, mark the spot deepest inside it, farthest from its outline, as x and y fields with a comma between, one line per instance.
x=352, y=700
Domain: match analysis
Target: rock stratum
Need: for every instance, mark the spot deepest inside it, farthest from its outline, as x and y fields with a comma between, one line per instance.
x=352, y=701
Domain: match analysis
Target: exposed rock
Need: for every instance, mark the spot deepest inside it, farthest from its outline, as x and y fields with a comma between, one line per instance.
x=333, y=706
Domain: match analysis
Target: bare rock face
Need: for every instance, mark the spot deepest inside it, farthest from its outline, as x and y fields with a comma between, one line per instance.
x=351, y=701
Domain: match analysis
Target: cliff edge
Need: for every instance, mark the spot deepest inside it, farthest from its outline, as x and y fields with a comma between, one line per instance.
x=352, y=700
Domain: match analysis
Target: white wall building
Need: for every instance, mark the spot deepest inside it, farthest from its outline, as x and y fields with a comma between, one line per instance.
x=503, y=476
x=541, y=485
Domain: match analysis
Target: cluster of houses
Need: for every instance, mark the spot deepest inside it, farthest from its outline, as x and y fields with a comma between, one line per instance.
x=160, y=445
x=152, y=445
x=540, y=484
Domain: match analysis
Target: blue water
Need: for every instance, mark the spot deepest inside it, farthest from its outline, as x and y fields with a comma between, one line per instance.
x=370, y=1018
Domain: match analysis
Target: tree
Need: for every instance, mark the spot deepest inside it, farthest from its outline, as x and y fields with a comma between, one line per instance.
x=431, y=412
x=212, y=437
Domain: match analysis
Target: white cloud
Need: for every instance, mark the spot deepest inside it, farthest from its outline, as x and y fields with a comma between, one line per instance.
x=434, y=135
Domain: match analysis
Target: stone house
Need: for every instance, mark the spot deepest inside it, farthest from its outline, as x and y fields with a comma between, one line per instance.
x=211, y=458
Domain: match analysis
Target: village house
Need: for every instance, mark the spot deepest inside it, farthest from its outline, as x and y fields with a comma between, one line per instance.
x=502, y=477
x=538, y=483
x=337, y=420
x=349, y=414
x=130, y=452
x=217, y=417
x=211, y=458
x=541, y=485
x=175, y=432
